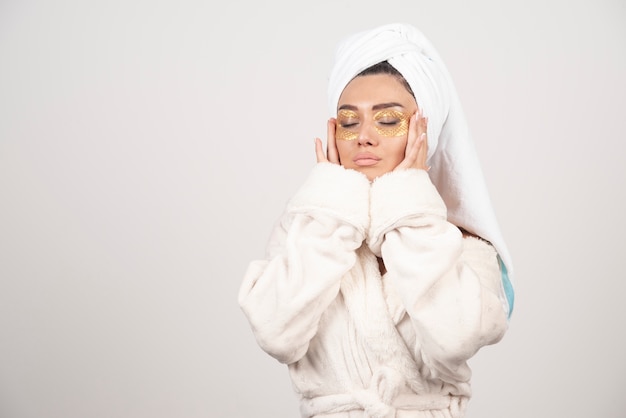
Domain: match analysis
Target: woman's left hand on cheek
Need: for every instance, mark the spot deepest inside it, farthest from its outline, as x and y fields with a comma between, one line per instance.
x=416, y=151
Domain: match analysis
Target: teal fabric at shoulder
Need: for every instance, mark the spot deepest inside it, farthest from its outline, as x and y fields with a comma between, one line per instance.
x=508, y=286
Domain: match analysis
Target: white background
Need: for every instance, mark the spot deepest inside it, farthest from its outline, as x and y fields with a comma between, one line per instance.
x=147, y=147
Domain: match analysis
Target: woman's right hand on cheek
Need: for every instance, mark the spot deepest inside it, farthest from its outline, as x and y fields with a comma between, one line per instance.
x=331, y=155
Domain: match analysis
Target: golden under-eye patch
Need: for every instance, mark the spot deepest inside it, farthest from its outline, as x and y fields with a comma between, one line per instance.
x=391, y=123
x=387, y=122
x=347, y=120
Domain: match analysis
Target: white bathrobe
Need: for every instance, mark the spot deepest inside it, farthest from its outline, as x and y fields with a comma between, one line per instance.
x=358, y=344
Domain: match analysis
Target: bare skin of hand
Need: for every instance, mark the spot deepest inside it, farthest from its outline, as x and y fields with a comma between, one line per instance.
x=416, y=145
x=331, y=155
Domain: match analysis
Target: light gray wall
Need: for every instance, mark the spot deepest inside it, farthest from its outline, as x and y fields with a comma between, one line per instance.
x=146, y=148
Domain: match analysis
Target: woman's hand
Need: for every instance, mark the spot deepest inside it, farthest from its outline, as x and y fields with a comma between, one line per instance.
x=331, y=155
x=416, y=150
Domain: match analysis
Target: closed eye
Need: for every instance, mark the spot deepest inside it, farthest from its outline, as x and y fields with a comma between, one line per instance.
x=389, y=117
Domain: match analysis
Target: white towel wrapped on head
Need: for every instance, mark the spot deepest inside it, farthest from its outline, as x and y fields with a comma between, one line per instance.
x=455, y=168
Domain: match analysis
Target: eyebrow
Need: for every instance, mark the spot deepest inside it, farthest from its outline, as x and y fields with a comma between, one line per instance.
x=375, y=107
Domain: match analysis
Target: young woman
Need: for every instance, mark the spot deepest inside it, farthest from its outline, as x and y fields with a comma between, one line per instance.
x=387, y=271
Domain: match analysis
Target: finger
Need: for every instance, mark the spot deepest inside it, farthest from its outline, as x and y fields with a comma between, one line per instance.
x=412, y=145
x=422, y=152
x=424, y=145
x=416, y=127
x=410, y=151
x=319, y=151
x=421, y=124
x=333, y=153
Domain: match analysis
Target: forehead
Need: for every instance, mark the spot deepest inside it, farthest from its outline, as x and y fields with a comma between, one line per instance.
x=369, y=90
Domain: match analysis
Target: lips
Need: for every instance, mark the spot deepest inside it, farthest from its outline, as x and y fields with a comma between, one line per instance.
x=365, y=159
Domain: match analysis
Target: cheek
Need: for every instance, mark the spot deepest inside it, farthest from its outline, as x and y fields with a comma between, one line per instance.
x=398, y=149
x=343, y=148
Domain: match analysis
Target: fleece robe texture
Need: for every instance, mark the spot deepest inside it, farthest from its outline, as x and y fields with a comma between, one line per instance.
x=358, y=343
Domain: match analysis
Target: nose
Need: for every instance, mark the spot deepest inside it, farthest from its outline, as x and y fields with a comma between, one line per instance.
x=367, y=135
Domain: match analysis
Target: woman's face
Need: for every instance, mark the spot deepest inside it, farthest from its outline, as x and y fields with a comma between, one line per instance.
x=372, y=124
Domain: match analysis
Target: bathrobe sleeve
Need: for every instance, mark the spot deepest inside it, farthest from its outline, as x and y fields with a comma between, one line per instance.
x=311, y=248
x=450, y=286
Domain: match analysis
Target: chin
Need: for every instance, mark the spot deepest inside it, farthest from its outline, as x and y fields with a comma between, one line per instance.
x=374, y=174
x=370, y=172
